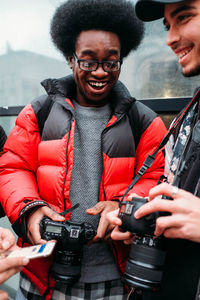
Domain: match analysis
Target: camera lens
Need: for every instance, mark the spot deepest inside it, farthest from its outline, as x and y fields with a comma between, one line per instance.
x=144, y=268
x=67, y=266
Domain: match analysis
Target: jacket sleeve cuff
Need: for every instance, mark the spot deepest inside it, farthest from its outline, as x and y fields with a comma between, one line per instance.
x=19, y=226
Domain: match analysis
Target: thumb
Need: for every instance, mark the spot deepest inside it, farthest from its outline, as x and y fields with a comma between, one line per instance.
x=55, y=216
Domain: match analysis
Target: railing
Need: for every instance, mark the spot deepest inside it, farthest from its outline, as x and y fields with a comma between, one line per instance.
x=167, y=105
x=161, y=106
x=9, y=111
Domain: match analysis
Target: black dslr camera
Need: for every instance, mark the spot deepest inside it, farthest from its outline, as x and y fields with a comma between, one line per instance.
x=144, y=267
x=71, y=238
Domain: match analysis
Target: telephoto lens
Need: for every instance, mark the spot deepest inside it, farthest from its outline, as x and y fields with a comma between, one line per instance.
x=144, y=268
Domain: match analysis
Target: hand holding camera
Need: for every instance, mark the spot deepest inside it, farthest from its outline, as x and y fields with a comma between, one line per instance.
x=150, y=222
x=104, y=228
x=184, y=219
x=71, y=237
x=44, y=225
x=33, y=223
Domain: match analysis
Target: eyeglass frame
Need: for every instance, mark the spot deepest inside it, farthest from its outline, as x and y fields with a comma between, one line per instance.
x=98, y=63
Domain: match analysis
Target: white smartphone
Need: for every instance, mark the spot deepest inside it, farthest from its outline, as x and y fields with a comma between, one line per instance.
x=36, y=251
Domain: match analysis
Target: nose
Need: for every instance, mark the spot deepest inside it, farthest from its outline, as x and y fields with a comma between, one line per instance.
x=173, y=37
x=99, y=72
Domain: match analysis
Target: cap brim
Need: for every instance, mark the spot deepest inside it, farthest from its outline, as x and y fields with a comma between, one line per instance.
x=149, y=10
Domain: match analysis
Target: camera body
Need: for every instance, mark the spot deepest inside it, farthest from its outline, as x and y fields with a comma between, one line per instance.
x=145, y=265
x=143, y=226
x=71, y=237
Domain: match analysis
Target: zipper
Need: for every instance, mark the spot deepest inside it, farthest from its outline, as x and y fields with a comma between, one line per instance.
x=63, y=188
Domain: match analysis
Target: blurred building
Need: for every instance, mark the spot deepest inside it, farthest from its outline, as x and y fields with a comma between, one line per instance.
x=153, y=70
x=21, y=73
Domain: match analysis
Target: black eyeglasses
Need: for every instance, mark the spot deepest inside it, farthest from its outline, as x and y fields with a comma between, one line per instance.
x=92, y=65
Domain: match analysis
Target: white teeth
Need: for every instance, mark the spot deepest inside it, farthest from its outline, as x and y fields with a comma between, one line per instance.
x=98, y=84
x=183, y=54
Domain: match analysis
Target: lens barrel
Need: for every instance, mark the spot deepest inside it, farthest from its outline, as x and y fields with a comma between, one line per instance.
x=144, y=268
x=66, y=267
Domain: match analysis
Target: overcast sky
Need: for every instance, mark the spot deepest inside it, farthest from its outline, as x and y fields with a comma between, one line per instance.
x=24, y=24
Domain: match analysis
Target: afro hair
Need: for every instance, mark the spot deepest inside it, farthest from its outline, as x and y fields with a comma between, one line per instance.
x=75, y=16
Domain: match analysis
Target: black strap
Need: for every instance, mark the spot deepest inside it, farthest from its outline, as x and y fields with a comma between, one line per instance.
x=150, y=158
x=67, y=211
x=43, y=113
x=135, y=123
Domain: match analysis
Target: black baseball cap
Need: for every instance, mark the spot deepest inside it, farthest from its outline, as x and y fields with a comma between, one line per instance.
x=149, y=10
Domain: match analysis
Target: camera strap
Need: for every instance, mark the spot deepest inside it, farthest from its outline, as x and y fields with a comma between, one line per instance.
x=67, y=211
x=150, y=158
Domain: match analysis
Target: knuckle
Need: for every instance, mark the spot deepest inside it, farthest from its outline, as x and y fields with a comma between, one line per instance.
x=155, y=203
x=160, y=224
x=53, y=213
x=164, y=185
x=185, y=232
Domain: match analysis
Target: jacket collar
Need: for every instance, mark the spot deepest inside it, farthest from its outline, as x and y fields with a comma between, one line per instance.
x=121, y=99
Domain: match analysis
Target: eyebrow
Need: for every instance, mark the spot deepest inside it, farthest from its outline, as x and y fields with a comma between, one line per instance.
x=90, y=52
x=178, y=10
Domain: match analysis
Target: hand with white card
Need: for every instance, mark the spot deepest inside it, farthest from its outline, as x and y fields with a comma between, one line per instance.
x=35, y=251
x=9, y=265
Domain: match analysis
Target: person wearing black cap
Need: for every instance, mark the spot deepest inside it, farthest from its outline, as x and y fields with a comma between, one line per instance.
x=182, y=226
x=150, y=10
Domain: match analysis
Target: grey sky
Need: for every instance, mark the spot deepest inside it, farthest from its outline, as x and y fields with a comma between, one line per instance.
x=24, y=24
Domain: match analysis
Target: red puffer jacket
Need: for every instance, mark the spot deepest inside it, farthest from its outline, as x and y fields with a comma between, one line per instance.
x=36, y=169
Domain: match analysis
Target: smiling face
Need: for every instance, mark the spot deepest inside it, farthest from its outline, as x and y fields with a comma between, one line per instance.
x=182, y=20
x=93, y=87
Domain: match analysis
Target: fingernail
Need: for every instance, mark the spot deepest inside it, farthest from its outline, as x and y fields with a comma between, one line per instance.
x=5, y=245
x=25, y=260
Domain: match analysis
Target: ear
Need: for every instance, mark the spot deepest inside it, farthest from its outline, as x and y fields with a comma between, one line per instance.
x=70, y=60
